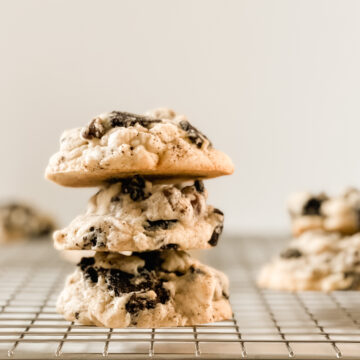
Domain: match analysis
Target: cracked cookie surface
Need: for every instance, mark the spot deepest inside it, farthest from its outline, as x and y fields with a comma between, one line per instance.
x=145, y=290
x=160, y=144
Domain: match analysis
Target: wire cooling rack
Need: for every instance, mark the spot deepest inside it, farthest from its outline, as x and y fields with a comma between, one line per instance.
x=265, y=325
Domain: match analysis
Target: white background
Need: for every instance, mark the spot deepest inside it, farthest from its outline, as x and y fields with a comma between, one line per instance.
x=275, y=84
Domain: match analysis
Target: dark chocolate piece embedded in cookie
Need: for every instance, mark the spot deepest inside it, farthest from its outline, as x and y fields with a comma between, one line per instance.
x=91, y=274
x=95, y=129
x=194, y=135
x=95, y=238
x=134, y=186
x=215, y=235
x=199, y=186
x=159, y=224
x=312, y=206
x=86, y=262
x=125, y=119
x=170, y=246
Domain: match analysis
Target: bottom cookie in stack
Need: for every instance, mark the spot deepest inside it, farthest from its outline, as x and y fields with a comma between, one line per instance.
x=316, y=260
x=150, y=289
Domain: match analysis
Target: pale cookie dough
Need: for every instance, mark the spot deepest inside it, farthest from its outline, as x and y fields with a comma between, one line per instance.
x=20, y=221
x=316, y=260
x=160, y=144
x=138, y=215
x=146, y=290
x=74, y=256
x=318, y=211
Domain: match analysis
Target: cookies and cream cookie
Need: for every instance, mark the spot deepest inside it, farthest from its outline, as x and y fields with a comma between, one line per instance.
x=21, y=221
x=316, y=260
x=160, y=144
x=135, y=214
x=145, y=290
x=318, y=211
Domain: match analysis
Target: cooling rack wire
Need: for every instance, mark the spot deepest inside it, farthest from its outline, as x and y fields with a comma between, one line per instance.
x=265, y=325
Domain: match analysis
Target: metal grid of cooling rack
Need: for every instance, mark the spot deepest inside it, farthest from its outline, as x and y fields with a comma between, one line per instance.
x=266, y=324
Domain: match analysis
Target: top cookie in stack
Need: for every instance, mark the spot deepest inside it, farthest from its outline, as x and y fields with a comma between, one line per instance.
x=160, y=144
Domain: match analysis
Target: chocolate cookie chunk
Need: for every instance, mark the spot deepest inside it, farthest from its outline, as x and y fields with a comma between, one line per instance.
x=134, y=186
x=159, y=224
x=194, y=135
x=312, y=207
x=199, y=186
x=95, y=238
x=215, y=235
x=125, y=119
x=95, y=129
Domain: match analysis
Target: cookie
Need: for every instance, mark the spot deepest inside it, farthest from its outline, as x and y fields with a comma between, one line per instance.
x=138, y=215
x=160, y=144
x=318, y=211
x=20, y=221
x=316, y=260
x=145, y=290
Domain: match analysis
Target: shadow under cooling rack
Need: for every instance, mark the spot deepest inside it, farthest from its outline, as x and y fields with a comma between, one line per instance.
x=265, y=325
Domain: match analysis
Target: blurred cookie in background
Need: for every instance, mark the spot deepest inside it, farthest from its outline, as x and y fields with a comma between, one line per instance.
x=315, y=261
x=20, y=221
x=339, y=213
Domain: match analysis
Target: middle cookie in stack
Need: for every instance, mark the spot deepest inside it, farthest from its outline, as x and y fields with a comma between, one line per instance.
x=138, y=215
x=150, y=203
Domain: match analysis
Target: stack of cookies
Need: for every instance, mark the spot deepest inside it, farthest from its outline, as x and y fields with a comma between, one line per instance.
x=325, y=254
x=150, y=209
